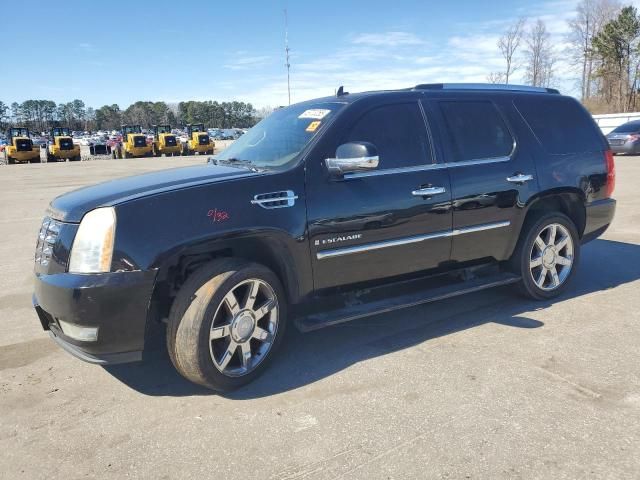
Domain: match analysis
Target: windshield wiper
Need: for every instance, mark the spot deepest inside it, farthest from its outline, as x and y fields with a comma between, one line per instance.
x=235, y=162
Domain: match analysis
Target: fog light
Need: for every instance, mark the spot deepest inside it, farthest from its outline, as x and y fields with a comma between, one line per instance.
x=84, y=334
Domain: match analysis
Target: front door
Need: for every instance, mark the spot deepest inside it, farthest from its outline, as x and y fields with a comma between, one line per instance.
x=376, y=224
x=492, y=176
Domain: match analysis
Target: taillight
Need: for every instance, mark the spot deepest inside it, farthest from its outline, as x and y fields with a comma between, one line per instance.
x=611, y=173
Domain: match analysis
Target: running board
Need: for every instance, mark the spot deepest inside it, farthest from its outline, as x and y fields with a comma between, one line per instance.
x=362, y=305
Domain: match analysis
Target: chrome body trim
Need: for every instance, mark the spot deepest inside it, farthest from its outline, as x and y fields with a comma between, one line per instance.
x=432, y=166
x=339, y=252
x=520, y=178
x=265, y=199
x=340, y=166
x=428, y=191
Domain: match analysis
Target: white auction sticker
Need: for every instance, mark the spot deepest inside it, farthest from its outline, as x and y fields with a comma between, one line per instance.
x=316, y=113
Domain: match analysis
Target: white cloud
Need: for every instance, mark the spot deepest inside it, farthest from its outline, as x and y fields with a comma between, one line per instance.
x=244, y=62
x=389, y=39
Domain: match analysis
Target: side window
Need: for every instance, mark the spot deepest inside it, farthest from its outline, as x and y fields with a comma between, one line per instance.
x=398, y=132
x=560, y=124
x=475, y=130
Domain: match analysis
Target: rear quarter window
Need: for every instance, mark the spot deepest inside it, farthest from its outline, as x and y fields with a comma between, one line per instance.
x=560, y=124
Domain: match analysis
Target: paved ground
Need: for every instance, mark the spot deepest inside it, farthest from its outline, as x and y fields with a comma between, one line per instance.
x=486, y=387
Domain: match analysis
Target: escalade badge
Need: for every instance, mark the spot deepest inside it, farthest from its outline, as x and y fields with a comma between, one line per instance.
x=338, y=239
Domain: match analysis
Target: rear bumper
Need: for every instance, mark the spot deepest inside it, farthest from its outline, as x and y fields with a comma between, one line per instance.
x=116, y=303
x=629, y=148
x=599, y=215
x=24, y=155
x=58, y=153
x=140, y=151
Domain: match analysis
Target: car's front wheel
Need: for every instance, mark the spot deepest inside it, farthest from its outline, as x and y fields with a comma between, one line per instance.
x=547, y=256
x=226, y=323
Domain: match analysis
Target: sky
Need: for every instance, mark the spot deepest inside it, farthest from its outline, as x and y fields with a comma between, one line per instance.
x=120, y=52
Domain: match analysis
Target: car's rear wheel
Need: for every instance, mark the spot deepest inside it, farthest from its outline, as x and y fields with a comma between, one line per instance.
x=226, y=323
x=547, y=256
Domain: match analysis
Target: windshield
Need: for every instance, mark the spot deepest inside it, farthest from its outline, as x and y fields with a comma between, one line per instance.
x=19, y=132
x=279, y=138
x=630, y=127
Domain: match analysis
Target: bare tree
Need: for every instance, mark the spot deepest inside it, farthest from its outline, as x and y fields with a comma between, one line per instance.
x=509, y=43
x=591, y=16
x=495, y=77
x=539, y=55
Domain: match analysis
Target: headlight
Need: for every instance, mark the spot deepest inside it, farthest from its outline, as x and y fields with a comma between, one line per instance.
x=93, y=246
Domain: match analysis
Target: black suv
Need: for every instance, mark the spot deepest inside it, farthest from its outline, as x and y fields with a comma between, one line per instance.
x=326, y=211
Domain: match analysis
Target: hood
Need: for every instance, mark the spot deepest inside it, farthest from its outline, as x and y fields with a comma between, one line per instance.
x=72, y=206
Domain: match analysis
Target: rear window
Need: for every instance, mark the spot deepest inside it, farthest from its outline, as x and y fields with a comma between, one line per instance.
x=475, y=131
x=560, y=124
x=631, y=127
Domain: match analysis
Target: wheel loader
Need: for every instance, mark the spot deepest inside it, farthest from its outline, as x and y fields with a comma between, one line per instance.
x=62, y=148
x=198, y=141
x=165, y=142
x=134, y=143
x=20, y=147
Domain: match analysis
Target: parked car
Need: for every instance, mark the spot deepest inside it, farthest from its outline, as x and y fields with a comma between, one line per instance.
x=625, y=138
x=326, y=211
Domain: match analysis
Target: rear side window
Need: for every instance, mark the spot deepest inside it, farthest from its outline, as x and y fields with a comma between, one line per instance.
x=560, y=124
x=399, y=133
x=475, y=130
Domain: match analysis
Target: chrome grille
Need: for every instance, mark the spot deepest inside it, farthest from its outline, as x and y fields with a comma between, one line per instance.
x=47, y=237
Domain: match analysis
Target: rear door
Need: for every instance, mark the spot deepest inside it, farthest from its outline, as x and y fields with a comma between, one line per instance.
x=372, y=225
x=491, y=176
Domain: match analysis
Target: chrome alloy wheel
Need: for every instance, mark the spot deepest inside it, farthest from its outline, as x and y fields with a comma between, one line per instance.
x=551, y=257
x=244, y=327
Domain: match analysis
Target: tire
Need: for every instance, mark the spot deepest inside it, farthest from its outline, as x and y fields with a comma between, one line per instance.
x=11, y=161
x=127, y=154
x=200, y=305
x=36, y=160
x=536, y=257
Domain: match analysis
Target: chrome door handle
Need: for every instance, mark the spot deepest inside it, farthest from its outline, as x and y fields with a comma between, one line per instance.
x=520, y=178
x=428, y=191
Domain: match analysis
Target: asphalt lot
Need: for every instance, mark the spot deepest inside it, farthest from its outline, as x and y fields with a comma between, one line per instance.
x=488, y=386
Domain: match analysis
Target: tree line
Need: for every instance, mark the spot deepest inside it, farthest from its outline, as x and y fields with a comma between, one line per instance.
x=602, y=47
x=41, y=115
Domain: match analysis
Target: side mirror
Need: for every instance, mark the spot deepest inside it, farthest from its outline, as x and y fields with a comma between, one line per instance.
x=353, y=157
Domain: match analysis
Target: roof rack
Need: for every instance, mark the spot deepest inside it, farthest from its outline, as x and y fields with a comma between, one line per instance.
x=483, y=86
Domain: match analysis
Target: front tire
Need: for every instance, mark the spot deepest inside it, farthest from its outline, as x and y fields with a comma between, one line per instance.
x=226, y=323
x=547, y=256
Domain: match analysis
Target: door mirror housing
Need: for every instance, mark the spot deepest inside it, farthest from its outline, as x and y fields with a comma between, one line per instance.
x=353, y=157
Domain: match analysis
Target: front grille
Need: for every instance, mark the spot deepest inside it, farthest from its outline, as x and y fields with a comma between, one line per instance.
x=139, y=141
x=616, y=142
x=23, y=145
x=203, y=139
x=47, y=237
x=66, y=144
x=170, y=141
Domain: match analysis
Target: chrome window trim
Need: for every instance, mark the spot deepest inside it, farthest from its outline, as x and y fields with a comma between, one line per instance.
x=434, y=166
x=339, y=252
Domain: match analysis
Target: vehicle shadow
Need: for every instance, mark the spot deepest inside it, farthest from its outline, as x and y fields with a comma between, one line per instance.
x=308, y=358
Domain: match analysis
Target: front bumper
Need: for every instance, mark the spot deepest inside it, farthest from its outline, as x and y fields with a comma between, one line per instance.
x=599, y=215
x=117, y=303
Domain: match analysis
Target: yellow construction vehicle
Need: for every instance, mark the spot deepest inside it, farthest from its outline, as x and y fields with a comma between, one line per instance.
x=198, y=141
x=62, y=147
x=165, y=142
x=20, y=147
x=134, y=143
